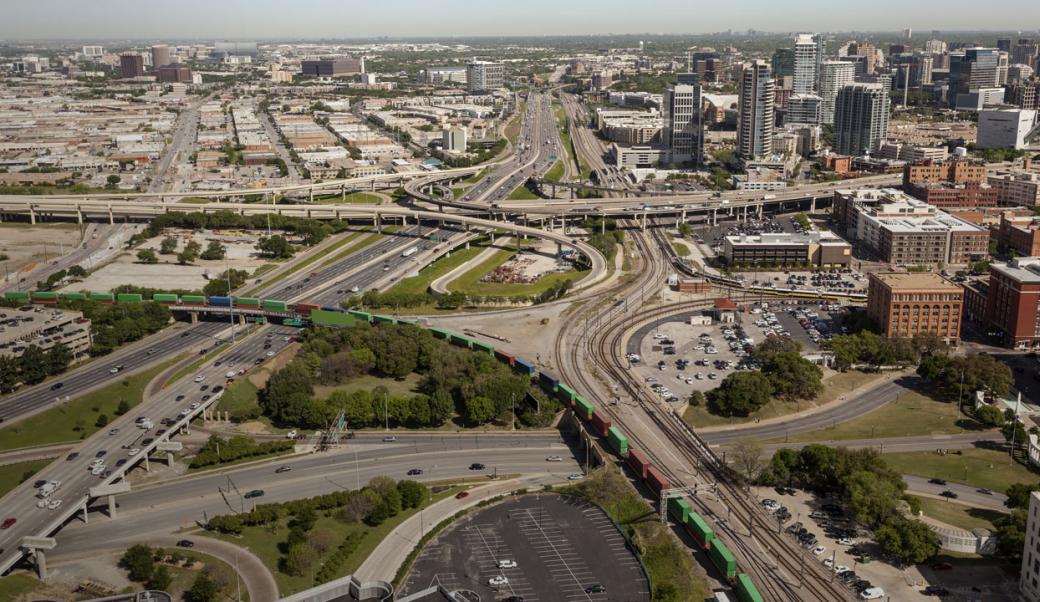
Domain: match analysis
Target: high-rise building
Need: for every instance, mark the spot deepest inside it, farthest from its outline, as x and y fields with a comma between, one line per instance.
x=783, y=62
x=333, y=67
x=914, y=70
x=935, y=47
x=93, y=52
x=834, y=75
x=131, y=65
x=160, y=56
x=803, y=108
x=860, y=118
x=484, y=75
x=1029, y=581
x=1013, y=301
x=683, y=132
x=1004, y=44
x=904, y=305
x=808, y=56
x=223, y=49
x=454, y=139
x=755, y=111
x=972, y=69
x=174, y=74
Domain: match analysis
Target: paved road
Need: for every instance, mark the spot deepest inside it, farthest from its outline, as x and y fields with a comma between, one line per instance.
x=183, y=137
x=892, y=445
x=967, y=495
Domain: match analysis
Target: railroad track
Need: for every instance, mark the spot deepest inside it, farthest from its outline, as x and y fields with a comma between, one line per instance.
x=765, y=553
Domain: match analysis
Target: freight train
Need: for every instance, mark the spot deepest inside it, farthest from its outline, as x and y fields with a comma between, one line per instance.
x=169, y=299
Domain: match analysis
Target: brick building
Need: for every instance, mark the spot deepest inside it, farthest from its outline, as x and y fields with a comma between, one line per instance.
x=950, y=184
x=1013, y=302
x=904, y=305
x=1021, y=234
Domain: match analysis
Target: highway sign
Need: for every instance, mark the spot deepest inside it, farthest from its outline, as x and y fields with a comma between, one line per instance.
x=552, y=157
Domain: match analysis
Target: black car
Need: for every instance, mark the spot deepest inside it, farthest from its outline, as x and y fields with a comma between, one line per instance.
x=477, y=466
x=185, y=543
x=204, y=388
x=415, y=471
x=179, y=398
x=72, y=456
x=101, y=454
x=147, y=440
x=218, y=389
x=595, y=589
x=937, y=481
x=57, y=386
x=205, y=398
x=254, y=493
x=39, y=483
x=121, y=462
x=949, y=494
x=282, y=469
x=935, y=590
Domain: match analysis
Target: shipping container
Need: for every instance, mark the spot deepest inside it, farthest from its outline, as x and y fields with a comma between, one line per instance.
x=746, y=590
x=482, y=346
x=505, y=358
x=679, y=508
x=657, y=481
x=129, y=298
x=16, y=296
x=638, y=462
x=165, y=298
x=247, y=302
x=292, y=322
x=364, y=316
x=193, y=300
x=722, y=559
x=38, y=297
x=584, y=408
x=305, y=309
x=103, y=297
x=334, y=319
x=440, y=333
x=218, y=301
x=376, y=318
x=618, y=441
x=548, y=381
x=73, y=296
x=458, y=339
x=271, y=305
x=700, y=529
x=600, y=423
x=566, y=394
x=524, y=366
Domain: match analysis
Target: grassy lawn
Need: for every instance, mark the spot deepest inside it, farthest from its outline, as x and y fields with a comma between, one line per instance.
x=184, y=574
x=959, y=515
x=680, y=249
x=20, y=584
x=367, y=382
x=75, y=420
x=363, y=198
x=555, y=173
x=512, y=130
x=982, y=467
x=837, y=384
x=522, y=194
x=419, y=284
x=13, y=475
x=909, y=414
x=266, y=542
x=469, y=282
x=194, y=200
x=239, y=399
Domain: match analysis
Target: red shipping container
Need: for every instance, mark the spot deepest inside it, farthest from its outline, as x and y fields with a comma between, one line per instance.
x=600, y=424
x=657, y=481
x=638, y=462
x=305, y=308
x=505, y=357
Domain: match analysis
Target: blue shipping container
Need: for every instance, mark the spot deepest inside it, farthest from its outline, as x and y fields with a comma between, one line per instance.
x=330, y=308
x=548, y=380
x=523, y=366
x=219, y=301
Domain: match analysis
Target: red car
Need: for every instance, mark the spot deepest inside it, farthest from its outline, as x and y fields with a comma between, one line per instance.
x=8, y=522
x=461, y=494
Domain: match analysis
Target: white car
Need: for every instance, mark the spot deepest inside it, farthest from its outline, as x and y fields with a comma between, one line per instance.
x=828, y=562
x=291, y=434
x=554, y=459
x=841, y=568
x=498, y=580
x=270, y=354
x=194, y=405
x=200, y=378
x=872, y=593
x=845, y=541
x=97, y=470
x=54, y=504
x=819, y=550
x=114, y=371
x=507, y=564
x=134, y=451
x=575, y=477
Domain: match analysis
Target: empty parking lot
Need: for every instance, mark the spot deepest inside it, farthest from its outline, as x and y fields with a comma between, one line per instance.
x=561, y=548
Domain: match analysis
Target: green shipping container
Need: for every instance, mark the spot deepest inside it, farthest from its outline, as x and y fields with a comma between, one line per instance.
x=461, y=341
x=679, y=508
x=292, y=322
x=483, y=346
x=73, y=296
x=384, y=319
x=129, y=298
x=617, y=440
x=44, y=296
x=584, y=408
x=193, y=300
x=272, y=305
x=103, y=297
x=722, y=559
x=746, y=590
x=16, y=296
x=164, y=298
x=247, y=302
x=565, y=393
x=333, y=319
x=440, y=333
x=360, y=315
x=700, y=528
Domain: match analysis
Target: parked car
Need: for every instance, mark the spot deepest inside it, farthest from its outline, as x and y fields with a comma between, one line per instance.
x=185, y=543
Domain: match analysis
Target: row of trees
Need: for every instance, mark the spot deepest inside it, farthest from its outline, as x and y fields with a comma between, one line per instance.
x=75, y=271
x=149, y=567
x=33, y=366
x=869, y=490
x=867, y=347
x=311, y=231
x=954, y=377
x=785, y=374
x=115, y=325
x=218, y=450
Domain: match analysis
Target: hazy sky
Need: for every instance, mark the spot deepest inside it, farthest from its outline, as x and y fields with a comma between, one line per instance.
x=208, y=19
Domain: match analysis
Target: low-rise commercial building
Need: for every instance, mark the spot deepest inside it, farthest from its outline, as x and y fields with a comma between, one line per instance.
x=333, y=67
x=907, y=304
x=632, y=157
x=1013, y=302
x=1020, y=234
x=817, y=249
x=1016, y=187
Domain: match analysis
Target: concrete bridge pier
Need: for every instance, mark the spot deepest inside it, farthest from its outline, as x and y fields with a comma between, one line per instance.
x=37, y=545
x=603, y=223
x=760, y=211
x=111, y=216
x=378, y=223
x=643, y=224
x=812, y=205
x=79, y=215
x=516, y=235
x=310, y=193
x=32, y=214
x=745, y=213
x=343, y=192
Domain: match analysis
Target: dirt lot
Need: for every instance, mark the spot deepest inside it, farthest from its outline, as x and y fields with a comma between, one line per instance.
x=26, y=245
x=167, y=274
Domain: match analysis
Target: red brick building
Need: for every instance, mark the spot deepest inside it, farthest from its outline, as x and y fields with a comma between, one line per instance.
x=906, y=304
x=957, y=183
x=1021, y=234
x=1013, y=302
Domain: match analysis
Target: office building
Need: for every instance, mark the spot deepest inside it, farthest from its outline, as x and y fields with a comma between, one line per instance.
x=803, y=108
x=904, y=305
x=442, y=75
x=226, y=49
x=1016, y=188
x=1029, y=576
x=1006, y=128
x=131, y=65
x=333, y=67
x=860, y=119
x=755, y=111
x=484, y=75
x=834, y=75
x=44, y=327
x=1019, y=233
x=453, y=140
x=160, y=56
x=912, y=70
x=783, y=62
x=633, y=157
x=1013, y=302
x=174, y=74
x=1024, y=94
x=682, y=134
x=93, y=52
x=972, y=69
x=808, y=56
x=818, y=249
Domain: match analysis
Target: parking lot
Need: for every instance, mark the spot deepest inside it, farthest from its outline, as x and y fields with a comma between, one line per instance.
x=810, y=323
x=542, y=547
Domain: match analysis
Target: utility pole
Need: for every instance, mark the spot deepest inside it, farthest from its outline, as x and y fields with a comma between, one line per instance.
x=231, y=300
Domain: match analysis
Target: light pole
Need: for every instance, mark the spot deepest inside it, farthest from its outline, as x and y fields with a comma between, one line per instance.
x=231, y=300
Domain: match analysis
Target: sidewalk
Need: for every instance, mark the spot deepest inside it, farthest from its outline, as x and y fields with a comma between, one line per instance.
x=384, y=562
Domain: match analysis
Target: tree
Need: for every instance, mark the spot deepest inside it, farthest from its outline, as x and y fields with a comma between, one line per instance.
x=792, y=376
x=748, y=458
x=214, y=251
x=168, y=246
x=204, y=589
x=77, y=271
x=412, y=494
x=58, y=358
x=34, y=365
x=122, y=408
x=909, y=541
x=772, y=345
x=161, y=579
x=299, y=559
x=697, y=399
x=1018, y=494
x=479, y=410
x=113, y=179
x=274, y=247
x=321, y=541
x=739, y=394
x=139, y=562
x=1011, y=535
x=989, y=415
x=102, y=421
x=185, y=257
x=147, y=256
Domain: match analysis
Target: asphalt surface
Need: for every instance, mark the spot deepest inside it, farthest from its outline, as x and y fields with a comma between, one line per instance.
x=561, y=547
x=966, y=494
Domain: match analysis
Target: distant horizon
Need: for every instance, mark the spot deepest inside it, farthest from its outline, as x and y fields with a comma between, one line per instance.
x=305, y=20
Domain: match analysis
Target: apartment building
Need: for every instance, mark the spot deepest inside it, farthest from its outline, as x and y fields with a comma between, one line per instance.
x=484, y=75
x=44, y=327
x=907, y=304
x=1016, y=187
x=755, y=111
x=1029, y=579
x=1020, y=234
x=860, y=118
x=1013, y=302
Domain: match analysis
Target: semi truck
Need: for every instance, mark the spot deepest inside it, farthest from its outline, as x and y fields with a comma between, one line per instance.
x=410, y=251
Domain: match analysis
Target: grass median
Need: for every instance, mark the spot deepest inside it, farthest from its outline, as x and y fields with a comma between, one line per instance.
x=469, y=283
x=421, y=283
x=959, y=515
x=13, y=475
x=79, y=418
x=987, y=468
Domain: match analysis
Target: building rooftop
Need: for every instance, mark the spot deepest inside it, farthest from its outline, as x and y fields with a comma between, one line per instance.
x=1021, y=269
x=915, y=281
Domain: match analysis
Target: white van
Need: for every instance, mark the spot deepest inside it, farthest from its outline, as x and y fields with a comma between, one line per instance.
x=872, y=593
